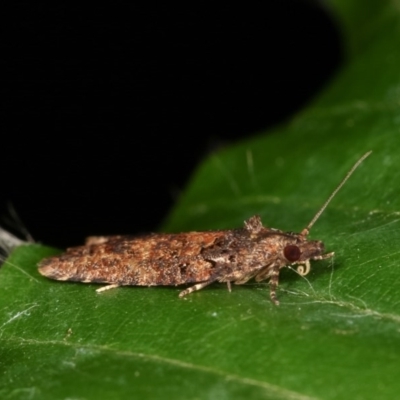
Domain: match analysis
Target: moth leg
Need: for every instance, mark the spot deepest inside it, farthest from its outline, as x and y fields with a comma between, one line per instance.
x=229, y=286
x=108, y=287
x=273, y=284
x=198, y=286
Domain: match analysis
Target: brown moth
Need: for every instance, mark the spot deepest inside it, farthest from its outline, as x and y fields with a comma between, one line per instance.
x=198, y=258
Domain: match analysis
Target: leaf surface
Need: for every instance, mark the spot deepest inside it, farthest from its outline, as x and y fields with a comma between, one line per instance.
x=335, y=334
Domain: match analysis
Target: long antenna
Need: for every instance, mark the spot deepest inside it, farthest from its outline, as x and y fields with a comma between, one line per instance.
x=306, y=230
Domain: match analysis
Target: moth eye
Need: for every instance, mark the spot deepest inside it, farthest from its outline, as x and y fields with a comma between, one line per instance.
x=291, y=252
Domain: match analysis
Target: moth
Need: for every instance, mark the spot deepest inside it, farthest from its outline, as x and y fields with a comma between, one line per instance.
x=198, y=258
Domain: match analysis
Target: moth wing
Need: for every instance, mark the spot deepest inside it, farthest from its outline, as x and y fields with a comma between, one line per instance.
x=157, y=259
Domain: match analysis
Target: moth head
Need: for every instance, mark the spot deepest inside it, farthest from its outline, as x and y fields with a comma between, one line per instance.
x=301, y=251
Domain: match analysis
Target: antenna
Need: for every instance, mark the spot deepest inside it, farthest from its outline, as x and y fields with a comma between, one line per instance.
x=306, y=230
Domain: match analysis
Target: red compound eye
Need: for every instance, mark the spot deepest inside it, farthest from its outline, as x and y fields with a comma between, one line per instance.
x=291, y=252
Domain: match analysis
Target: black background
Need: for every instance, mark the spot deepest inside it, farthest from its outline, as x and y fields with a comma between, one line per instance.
x=108, y=109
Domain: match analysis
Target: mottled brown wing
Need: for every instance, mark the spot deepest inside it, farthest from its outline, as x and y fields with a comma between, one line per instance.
x=157, y=259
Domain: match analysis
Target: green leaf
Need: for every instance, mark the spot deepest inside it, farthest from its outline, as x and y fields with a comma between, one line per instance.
x=335, y=334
